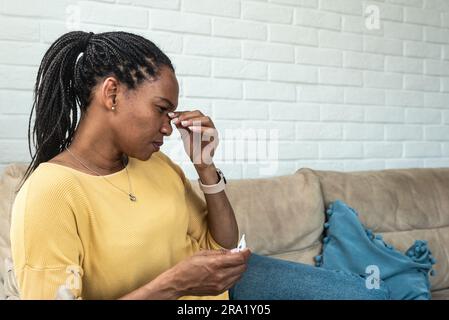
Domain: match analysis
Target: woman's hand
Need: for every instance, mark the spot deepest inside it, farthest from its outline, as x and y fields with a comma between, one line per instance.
x=199, y=135
x=206, y=273
x=209, y=272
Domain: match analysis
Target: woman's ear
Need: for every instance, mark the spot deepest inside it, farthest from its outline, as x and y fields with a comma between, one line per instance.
x=109, y=91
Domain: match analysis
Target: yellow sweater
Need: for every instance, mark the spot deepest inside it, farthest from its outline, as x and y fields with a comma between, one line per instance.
x=71, y=228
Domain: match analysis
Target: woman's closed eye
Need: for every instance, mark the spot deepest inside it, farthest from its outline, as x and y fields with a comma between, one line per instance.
x=162, y=109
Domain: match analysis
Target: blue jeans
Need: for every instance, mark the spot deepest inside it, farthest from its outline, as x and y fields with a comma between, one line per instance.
x=268, y=278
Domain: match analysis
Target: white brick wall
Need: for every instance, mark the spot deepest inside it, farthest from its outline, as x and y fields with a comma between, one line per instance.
x=336, y=93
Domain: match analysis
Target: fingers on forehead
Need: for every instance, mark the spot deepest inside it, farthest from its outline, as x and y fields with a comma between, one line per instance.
x=184, y=115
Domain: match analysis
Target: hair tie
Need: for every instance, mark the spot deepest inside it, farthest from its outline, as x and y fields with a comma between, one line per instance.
x=85, y=41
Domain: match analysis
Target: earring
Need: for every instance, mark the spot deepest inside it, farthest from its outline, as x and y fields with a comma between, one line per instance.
x=114, y=103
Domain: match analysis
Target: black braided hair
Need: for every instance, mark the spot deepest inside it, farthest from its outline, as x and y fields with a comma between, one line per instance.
x=71, y=67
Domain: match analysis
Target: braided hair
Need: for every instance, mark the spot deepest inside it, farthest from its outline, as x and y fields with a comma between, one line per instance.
x=70, y=69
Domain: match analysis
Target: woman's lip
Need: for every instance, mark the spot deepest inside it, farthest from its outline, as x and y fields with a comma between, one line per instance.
x=157, y=145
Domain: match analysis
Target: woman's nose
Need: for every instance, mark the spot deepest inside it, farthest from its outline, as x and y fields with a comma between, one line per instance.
x=166, y=127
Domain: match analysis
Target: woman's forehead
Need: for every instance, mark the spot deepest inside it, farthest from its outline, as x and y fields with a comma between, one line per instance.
x=165, y=86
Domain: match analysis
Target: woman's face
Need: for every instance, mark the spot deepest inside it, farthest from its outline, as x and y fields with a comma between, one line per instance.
x=142, y=120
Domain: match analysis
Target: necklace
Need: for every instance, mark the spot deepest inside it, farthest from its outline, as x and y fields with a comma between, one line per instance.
x=132, y=197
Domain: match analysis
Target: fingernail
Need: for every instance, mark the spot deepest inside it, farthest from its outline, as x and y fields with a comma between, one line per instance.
x=171, y=114
x=195, y=129
x=175, y=120
x=185, y=122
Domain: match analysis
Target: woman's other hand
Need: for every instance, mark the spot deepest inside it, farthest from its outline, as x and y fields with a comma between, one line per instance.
x=209, y=272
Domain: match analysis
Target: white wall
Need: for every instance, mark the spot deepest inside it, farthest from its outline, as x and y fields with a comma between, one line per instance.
x=341, y=94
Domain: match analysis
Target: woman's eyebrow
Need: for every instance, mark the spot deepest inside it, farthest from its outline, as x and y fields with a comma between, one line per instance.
x=172, y=106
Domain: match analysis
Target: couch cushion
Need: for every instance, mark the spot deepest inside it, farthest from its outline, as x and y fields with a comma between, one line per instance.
x=402, y=205
x=281, y=216
x=440, y=294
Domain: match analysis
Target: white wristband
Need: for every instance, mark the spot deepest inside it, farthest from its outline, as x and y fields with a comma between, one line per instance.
x=214, y=188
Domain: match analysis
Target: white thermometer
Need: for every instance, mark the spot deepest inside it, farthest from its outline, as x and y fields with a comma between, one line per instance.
x=241, y=245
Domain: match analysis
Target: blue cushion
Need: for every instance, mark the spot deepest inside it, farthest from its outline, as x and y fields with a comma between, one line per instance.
x=348, y=246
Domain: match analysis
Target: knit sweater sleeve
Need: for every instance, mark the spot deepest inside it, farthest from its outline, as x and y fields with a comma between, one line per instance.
x=46, y=249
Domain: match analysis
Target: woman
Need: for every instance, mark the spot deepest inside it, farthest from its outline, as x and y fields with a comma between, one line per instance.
x=105, y=214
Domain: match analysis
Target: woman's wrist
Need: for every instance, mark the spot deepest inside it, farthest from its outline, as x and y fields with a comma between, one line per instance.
x=208, y=175
x=164, y=287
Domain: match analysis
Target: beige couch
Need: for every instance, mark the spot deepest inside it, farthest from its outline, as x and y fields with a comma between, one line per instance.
x=283, y=216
